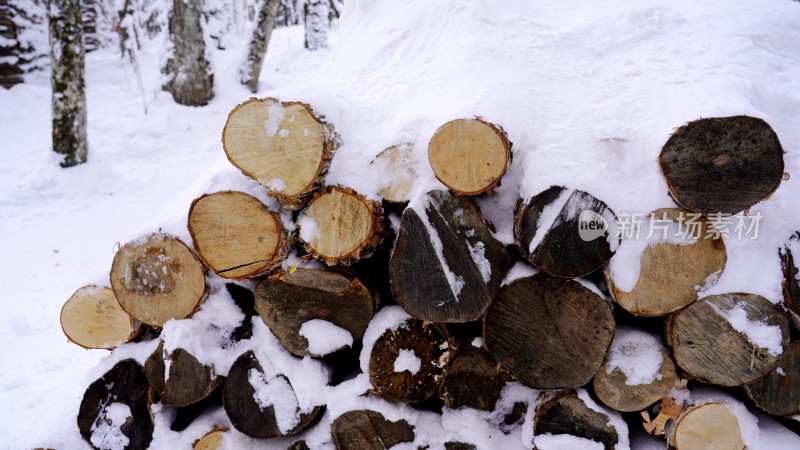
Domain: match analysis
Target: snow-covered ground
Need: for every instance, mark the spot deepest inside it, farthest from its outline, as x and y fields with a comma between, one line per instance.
x=588, y=93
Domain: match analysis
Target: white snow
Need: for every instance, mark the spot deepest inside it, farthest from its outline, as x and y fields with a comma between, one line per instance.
x=276, y=392
x=637, y=354
x=325, y=337
x=106, y=432
x=550, y=441
x=759, y=334
x=308, y=228
x=275, y=114
x=519, y=270
x=407, y=360
x=478, y=254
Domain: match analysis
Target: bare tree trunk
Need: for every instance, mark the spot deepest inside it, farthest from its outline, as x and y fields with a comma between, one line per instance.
x=259, y=43
x=190, y=80
x=69, y=99
x=315, y=13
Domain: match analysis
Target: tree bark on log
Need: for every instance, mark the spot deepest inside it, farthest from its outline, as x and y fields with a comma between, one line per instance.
x=791, y=278
x=158, y=278
x=567, y=414
x=550, y=333
x=289, y=156
x=92, y=318
x=259, y=44
x=178, y=377
x=114, y=412
x=397, y=165
x=340, y=226
x=236, y=235
x=446, y=265
x=722, y=165
x=407, y=364
x=778, y=392
x=712, y=326
x=369, y=430
x=710, y=426
x=567, y=233
x=473, y=379
x=287, y=301
x=189, y=76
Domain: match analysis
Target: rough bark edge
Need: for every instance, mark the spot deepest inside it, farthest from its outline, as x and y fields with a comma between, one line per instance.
x=137, y=327
x=381, y=230
x=332, y=143
x=281, y=253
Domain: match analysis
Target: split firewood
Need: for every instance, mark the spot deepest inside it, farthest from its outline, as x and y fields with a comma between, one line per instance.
x=473, y=379
x=446, y=265
x=158, y=278
x=236, y=235
x=211, y=441
x=178, y=377
x=567, y=414
x=565, y=232
x=407, y=364
x=668, y=410
x=114, y=412
x=636, y=373
x=747, y=329
x=92, y=318
x=710, y=426
x=398, y=172
x=722, y=165
x=778, y=392
x=678, y=265
x=535, y=321
x=791, y=277
x=284, y=146
x=369, y=430
x=314, y=312
x=469, y=156
x=340, y=226
x=262, y=404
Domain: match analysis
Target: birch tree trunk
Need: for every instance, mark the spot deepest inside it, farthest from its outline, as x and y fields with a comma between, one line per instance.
x=69, y=100
x=259, y=43
x=190, y=80
x=315, y=13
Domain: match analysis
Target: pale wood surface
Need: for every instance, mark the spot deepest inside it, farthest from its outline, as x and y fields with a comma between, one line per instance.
x=399, y=172
x=211, y=441
x=92, y=318
x=710, y=426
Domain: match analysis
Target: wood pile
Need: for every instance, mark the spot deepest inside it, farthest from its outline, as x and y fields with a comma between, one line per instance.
x=580, y=342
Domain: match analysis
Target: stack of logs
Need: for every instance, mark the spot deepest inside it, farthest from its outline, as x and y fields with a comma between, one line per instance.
x=471, y=331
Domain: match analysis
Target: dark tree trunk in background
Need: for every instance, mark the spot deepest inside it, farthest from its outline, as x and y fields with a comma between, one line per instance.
x=259, y=43
x=190, y=80
x=10, y=72
x=69, y=99
x=315, y=13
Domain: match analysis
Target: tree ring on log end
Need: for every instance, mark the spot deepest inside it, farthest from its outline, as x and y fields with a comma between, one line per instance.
x=92, y=318
x=710, y=426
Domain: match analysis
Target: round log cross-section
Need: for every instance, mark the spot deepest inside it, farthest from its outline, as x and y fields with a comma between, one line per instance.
x=92, y=318
x=710, y=426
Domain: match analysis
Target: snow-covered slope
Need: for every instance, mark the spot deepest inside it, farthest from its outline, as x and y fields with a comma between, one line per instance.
x=588, y=93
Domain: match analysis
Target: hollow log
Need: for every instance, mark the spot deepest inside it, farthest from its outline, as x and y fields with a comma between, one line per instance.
x=369, y=430
x=567, y=414
x=340, y=226
x=267, y=410
x=680, y=269
x=710, y=426
x=791, y=278
x=778, y=392
x=747, y=329
x=473, y=379
x=565, y=232
x=211, y=441
x=293, y=304
x=446, y=265
x=396, y=164
x=550, y=333
x=92, y=318
x=284, y=146
x=158, y=278
x=469, y=156
x=236, y=235
x=114, y=412
x=178, y=377
x=407, y=364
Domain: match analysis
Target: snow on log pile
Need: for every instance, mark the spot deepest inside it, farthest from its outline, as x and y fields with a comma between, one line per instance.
x=347, y=282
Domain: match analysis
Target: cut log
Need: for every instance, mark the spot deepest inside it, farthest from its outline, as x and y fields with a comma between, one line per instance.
x=186, y=415
x=314, y=312
x=299, y=445
x=550, y=333
x=92, y=318
x=284, y=146
x=778, y=392
x=680, y=269
x=750, y=331
x=158, y=278
x=178, y=377
x=791, y=278
x=407, y=364
x=473, y=379
x=469, y=156
x=710, y=426
x=262, y=405
x=722, y=165
x=396, y=164
x=114, y=412
x=631, y=377
x=211, y=441
x=446, y=265
x=340, y=226
x=567, y=414
x=236, y=235
x=369, y=430
x=565, y=232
